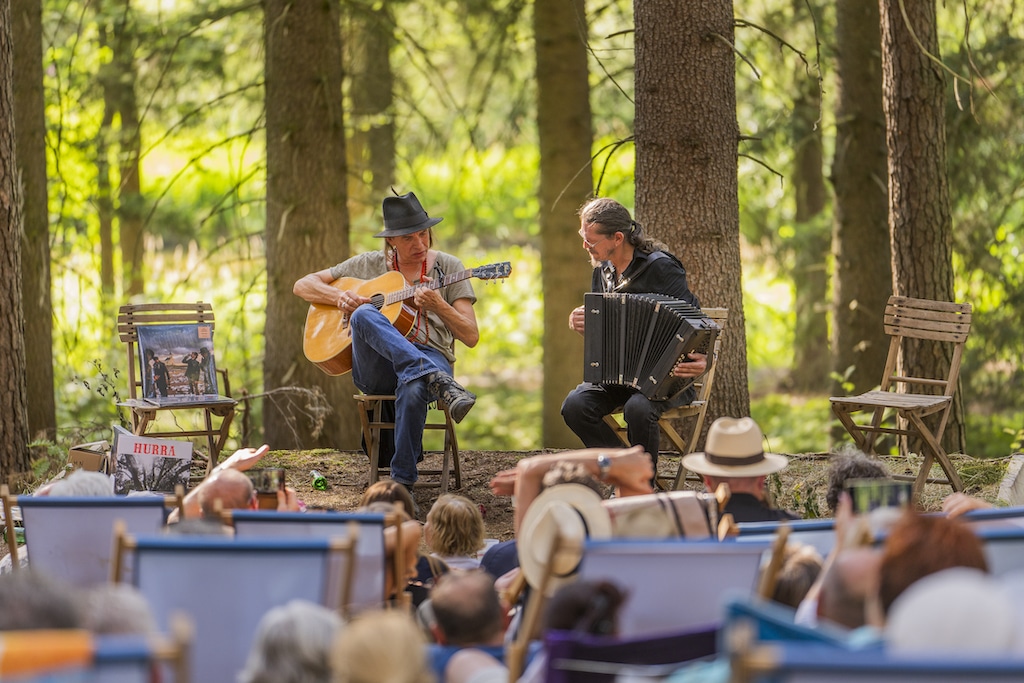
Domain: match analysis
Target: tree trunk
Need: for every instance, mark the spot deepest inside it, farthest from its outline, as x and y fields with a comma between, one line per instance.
x=371, y=148
x=307, y=221
x=14, y=456
x=686, y=160
x=862, y=278
x=920, y=223
x=30, y=124
x=130, y=209
x=811, y=361
x=565, y=133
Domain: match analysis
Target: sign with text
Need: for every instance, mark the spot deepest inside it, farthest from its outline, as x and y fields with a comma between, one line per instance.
x=144, y=463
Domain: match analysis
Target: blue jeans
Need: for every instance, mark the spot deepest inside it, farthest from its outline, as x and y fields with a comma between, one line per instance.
x=385, y=362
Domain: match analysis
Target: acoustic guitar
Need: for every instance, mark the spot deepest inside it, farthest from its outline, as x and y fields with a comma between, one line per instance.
x=327, y=337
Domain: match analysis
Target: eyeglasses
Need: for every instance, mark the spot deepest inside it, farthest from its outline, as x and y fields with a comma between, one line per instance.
x=588, y=244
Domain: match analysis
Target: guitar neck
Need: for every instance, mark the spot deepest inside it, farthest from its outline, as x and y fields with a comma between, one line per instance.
x=408, y=292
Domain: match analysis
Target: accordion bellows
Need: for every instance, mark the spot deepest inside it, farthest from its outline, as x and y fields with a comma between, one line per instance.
x=637, y=339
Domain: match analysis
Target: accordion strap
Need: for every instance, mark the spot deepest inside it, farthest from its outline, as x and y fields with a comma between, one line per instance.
x=651, y=258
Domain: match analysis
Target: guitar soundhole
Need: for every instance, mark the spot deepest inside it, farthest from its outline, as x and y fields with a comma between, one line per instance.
x=377, y=301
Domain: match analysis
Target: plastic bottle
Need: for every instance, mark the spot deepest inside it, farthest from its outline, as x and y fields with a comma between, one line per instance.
x=319, y=480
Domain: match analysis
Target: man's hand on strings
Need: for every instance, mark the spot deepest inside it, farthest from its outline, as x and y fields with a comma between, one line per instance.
x=695, y=366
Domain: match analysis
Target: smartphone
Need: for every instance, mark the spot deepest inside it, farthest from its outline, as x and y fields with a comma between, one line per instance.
x=269, y=480
x=870, y=494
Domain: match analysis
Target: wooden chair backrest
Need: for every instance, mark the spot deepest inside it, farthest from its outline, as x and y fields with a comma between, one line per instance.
x=131, y=316
x=704, y=384
x=941, y=321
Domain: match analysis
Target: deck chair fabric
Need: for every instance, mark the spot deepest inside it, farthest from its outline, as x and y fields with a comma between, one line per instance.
x=77, y=656
x=920, y=406
x=697, y=409
x=775, y=622
x=817, y=533
x=673, y=585
x=72, y=538
x=225, y=586
x=796, y=662
x=995, y=518
x=368, y=570
x=581, y=658
x=1004, y=549
x=216, y=414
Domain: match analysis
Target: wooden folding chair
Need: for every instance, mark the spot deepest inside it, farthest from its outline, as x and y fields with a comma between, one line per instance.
x=912, y=399
x=698, y=409
x=143, y=412
x=371, y=417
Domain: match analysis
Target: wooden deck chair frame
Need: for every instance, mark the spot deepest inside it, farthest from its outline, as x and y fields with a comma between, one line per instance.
x=372, y=422
x=131, y=316
x=698, y=409
x=921, y=319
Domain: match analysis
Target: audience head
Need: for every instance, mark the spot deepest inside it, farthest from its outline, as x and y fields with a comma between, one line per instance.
x=455, y=526
x=293, y=644
x=467, y=610
x=381, y=646
x=734, y=454
x=847, y=464
x=388, y=491
x=232, y=488
x=118, y=608
x=848, y=586
x=30, y=601
x=919, y=545
x=571, y=472
x=198, y=527
x=959, y=610
x=83, y=484
x=801, y=565
x=585, y=607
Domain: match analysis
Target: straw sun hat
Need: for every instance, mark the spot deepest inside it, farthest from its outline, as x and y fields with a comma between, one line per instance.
x=572, y=511
x=733, y=449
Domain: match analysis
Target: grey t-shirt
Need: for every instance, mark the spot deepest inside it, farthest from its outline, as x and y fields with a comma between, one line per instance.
x=372, y=264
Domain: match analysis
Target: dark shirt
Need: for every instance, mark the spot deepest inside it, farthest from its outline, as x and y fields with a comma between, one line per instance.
x=500, y=559
x=657, y=272
x=746, y=508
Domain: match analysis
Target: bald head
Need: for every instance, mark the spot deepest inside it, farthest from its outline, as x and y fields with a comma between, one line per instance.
x=232, y=488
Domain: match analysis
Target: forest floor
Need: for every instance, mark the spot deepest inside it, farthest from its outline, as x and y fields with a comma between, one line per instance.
x=800, y=487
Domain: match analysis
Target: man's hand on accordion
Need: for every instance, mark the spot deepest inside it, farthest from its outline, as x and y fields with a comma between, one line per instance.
x=691, y=365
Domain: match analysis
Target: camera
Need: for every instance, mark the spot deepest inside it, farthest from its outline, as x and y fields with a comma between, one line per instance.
x=269, y=480
x=870, y=494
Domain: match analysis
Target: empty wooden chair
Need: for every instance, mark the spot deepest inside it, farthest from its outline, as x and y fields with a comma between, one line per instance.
x=910, y=400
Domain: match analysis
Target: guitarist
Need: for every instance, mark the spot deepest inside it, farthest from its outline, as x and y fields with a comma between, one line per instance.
x=416, y=369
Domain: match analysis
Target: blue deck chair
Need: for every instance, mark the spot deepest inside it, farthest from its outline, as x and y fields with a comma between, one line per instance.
x=226, y=585
x=368, y=571
x=72, y=538
x=673, y=585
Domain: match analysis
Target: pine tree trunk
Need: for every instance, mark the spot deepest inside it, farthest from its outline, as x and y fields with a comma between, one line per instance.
x=862, y=279
x=30, y=124
x=564, y=128
x=14, y=456
x=920, y=221
x=686, y=160
x=307, y=220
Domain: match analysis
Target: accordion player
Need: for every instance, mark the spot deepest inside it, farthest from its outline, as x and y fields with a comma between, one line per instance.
x=637, y=339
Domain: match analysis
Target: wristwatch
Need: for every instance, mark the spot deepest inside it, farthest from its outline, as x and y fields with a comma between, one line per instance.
x=604, y=465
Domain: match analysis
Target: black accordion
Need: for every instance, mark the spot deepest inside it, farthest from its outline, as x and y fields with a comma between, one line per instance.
x=637, y=339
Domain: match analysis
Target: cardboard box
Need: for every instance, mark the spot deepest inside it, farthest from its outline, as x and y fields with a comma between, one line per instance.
x=93, y=456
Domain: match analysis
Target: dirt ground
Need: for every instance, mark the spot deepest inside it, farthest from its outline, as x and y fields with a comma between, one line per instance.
x=800, y=487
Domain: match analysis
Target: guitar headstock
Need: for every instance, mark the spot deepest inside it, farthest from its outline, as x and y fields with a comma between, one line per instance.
x=493, y=271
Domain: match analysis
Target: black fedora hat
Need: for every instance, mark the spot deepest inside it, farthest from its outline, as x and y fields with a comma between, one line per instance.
x=403, y=215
